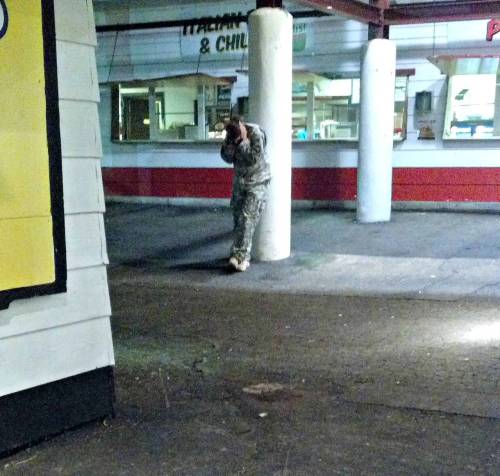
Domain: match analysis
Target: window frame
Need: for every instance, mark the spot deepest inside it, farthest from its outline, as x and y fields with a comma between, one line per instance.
x=448, y=114
x=211, y=89
x=399, y=73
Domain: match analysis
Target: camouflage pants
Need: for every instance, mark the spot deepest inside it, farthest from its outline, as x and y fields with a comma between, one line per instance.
x=248, y=204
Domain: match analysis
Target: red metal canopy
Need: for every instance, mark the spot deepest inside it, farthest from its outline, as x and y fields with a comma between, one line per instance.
x=382, y=12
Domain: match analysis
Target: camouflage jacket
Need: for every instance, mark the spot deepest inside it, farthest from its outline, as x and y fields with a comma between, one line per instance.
x=248, y=157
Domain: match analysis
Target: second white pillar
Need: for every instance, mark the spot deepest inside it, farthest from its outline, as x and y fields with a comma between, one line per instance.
x=378, y=76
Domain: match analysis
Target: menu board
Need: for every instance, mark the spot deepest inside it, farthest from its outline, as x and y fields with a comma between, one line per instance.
x=32, y=246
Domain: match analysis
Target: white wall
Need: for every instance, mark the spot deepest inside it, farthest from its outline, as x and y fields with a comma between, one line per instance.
x=53, y=337
x=336, y=47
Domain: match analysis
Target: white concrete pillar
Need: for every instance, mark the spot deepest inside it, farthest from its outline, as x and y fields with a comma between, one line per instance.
x=378, y=76
x=270, y=105
x=310, y=110
x=496, y=118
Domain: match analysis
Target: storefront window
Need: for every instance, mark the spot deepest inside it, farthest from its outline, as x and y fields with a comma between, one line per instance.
x=328, y=109
x=180, y=108
x=472, y=111
x=196, y=107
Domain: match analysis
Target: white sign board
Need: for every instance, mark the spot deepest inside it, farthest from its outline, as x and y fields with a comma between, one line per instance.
x=226, y=35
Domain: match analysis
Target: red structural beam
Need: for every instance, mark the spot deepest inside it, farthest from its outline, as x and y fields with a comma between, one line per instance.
x=441, y=11
x=354, y=9
x=381, y=12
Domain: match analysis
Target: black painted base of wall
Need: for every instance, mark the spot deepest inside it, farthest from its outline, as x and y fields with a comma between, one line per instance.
x=32, y=415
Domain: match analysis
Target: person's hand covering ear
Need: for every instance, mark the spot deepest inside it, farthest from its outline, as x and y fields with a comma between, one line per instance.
x=244, y=133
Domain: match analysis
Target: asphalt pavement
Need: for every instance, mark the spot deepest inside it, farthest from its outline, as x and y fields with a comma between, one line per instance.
x=372, y=350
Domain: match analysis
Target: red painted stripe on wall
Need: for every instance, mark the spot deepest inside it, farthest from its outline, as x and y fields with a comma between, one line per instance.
x=448, y=176
x=409, y=184
x=324, y=184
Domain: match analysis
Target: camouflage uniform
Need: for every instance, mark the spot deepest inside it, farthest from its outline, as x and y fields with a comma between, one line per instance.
x=250, y=183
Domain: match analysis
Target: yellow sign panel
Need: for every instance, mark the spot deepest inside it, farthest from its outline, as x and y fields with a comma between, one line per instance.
x=30, y=172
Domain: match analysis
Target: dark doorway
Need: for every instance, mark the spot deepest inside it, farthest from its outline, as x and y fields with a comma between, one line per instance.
x=136, y=117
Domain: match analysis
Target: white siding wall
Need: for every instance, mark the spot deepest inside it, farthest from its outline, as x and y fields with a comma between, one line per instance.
x=53, y=337
x=336, y=48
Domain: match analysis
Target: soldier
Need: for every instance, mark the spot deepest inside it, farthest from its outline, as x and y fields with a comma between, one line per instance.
x=244, y=147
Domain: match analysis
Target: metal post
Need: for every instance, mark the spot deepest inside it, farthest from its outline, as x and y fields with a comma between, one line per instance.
x=310, y=110
x=201, y=113
x=380, y=29
x=153, y=120
x=269, y=3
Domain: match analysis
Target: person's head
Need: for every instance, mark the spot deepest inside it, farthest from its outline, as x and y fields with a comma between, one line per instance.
x=233, y=129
